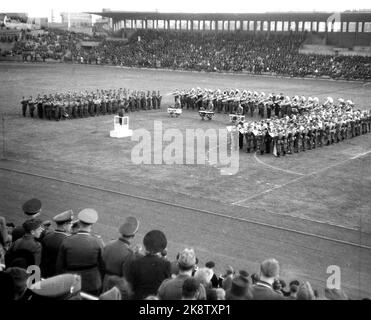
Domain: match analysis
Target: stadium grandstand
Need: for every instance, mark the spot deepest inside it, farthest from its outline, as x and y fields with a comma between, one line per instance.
x=316, y=44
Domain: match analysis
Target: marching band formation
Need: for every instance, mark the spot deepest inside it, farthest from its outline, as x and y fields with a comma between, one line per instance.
x=287, y=125
x=71, y=105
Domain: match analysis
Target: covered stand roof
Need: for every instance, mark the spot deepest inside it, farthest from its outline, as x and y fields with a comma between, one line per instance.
x=268, y=16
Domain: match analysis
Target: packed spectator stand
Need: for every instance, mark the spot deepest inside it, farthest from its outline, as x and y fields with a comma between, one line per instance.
x=276, y=54
x=76, y=264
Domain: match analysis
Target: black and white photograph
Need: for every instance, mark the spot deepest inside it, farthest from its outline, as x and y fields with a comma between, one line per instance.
x=161, y=150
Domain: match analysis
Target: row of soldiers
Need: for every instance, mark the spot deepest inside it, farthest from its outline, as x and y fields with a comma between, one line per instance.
x=70, y=105
x=320, y=127
x=248, y=103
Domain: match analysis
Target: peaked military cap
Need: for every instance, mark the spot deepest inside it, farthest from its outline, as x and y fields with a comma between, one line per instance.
x=129, y=227
x=88, y=216
x=58, y=286
x=63, y=217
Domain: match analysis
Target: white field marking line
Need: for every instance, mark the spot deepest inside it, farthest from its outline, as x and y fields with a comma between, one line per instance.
x=276, y=168
x=301, y=177
x=306, y=219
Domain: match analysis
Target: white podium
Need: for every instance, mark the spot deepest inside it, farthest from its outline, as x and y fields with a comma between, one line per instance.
x=120, y=128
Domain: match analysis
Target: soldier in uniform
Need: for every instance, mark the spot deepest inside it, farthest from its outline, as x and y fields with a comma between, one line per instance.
x=114, y=104
x=103, y=105
x=225, y=102
x=249, y=137
x=297, y=141
x=159, y=98
x=57, y=109
x=143, y=101
x=31, y=106
x=81, y=253
x=239, y=109
x=268, y=142
x=251, y=106
x=149, y=101
x=219, y=103
x=338, y=132
x=39, y=105
x=290, y=142
x=131, y=103
x=52, y=242
x=91, y=109
x=118, y=254
x=69, y=108
x=320, y=136
x=304, y=138
x=261, y=108
x=154, y=100
x=85, y=107
x=332, y=132
x=285, y=142
x=258, y=141
x=74, y=108
x=24, y=103
x=309, y=138
x=79, y=106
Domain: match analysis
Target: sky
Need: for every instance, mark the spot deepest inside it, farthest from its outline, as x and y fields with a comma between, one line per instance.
x=42, y=8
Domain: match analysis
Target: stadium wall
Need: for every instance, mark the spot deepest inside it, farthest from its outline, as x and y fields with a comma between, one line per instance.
x=348, y=39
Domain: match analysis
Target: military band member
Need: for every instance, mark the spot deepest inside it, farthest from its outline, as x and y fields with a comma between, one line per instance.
x=249, y=137
x=297, y=140
x=149, y=101
x=290, y=142
x=103, y=106
x=251, y=107
x=239, y=109
x=31, y=106
x=159, y=98
x=24, y=103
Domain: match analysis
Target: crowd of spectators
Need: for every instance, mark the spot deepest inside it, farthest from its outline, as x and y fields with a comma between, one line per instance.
x=209, y=51
x=52, y=44
x=75, y=263
x=225, y=52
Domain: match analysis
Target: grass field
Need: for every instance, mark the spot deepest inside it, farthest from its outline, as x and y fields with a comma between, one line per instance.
x=323, y=191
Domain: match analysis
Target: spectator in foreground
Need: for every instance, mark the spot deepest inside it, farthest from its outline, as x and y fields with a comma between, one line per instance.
x=335, y=294
x=190, y=289
x=121, y=284
x=171, y=289
x=20, y=277
x=215, y=280
x=240, y=289
x=305, y=292
x=227, y=278
x=32, y=209
x=263, y=289
x=148, y=271
x=33, y=229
